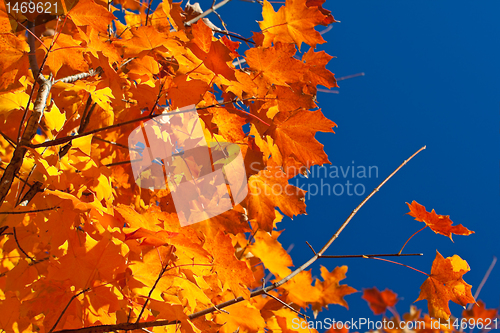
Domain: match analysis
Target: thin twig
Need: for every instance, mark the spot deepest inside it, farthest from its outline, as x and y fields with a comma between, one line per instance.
x=410, y=238
x=206, y=12
x=149, y=9
x=163, y=270
x=30, y=211
x=280, y=301
x=116, y=144
x=483, y=281
x=350, y=76
x=19, y=245
x=311, y=247
x=372, y=255
x=65, y=139
x=60, y=141
x=397, y=263
x=66, y=308
x=9, y=140
x=157, y=99
x=248, y=243
x=34, y=189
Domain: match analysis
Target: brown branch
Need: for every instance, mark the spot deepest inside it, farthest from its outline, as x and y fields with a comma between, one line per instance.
x=9, y=140
x=206, y=12
x=147, y=14
x=134, y=326
x=37, y=187
x=65, y=139
x=372, y=255
x=30, y=211
x=32, y=56
x=283, y=303
x=35, y=70
x=227, y=33
x=29, y=132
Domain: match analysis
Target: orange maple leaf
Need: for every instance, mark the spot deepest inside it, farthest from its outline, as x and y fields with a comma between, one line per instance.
x=294, y=133
x=479, y=311
x=88, y=13
x=276, y=64
x=269, y=189
x=293, y=23
x=440, y=224
x=332, y=292
x=379, y=301
x=446, y=284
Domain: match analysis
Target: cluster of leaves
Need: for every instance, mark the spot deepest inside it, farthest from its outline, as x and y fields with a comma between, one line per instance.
x=83, y=247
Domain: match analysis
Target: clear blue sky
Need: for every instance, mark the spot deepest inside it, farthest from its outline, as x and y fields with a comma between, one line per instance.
x=432, y=78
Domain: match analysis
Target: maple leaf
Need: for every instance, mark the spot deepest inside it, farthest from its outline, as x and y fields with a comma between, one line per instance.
x=293, y=23
x=236, y=273
x=294, y=133
x=276, y=64
x=14, y=61
x=379, y=301
x=480, y=313
x=88, y=13
x=440, y=224
x=444, y=284
x=269, y=189
x=272, y=254
x=331, y=291
x=318, y=74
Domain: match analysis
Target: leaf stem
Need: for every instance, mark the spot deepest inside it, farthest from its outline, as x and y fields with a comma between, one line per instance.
x=398, y=263
x=410, y=238
x=372, y=255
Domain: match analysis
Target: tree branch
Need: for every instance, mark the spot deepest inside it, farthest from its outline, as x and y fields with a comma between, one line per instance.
x=31, y=127
x=60, y=141
x=80, y=76
x=206, y=12
x=264, y=290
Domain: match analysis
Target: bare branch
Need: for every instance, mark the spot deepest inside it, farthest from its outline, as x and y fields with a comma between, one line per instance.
x=280, y=301
x=371, y=255
x=206, y=12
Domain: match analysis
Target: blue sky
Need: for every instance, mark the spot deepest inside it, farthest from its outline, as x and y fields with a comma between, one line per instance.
x=431, y=79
